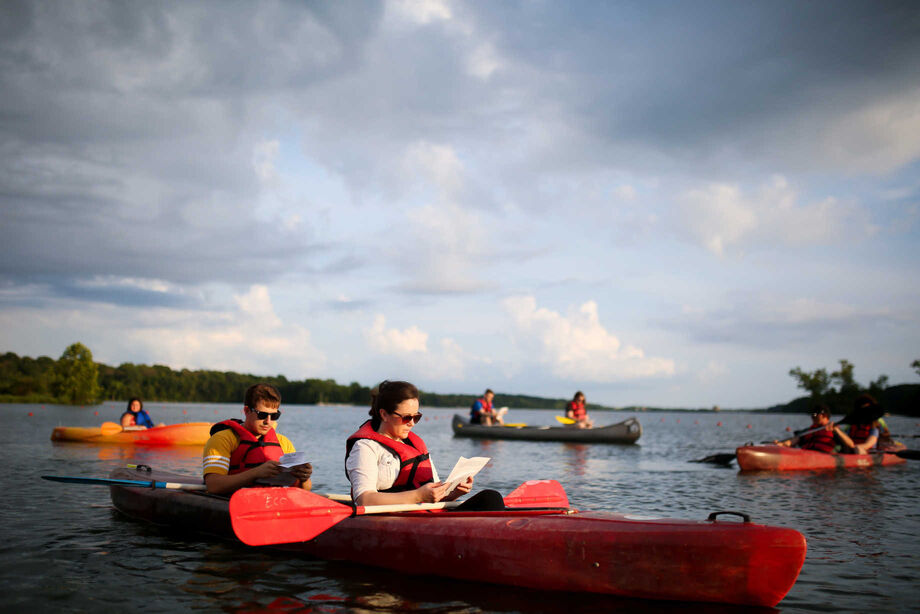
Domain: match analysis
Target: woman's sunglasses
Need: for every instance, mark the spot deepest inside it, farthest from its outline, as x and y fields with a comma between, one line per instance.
x=407, y=418
x=274, y=415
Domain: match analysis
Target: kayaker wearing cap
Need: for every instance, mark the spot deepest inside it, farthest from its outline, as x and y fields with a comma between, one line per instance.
x=822, y=435
x=576, y=410
x=863, y=433
x=240, y=452
x=386, y=462
x=482, y=412
x=135, y=418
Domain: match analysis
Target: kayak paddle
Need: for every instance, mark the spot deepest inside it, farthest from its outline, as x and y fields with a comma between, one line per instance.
x=113, y=482
x=264, y=516
x=538, y=493
x=111, y=428
x=565, y=420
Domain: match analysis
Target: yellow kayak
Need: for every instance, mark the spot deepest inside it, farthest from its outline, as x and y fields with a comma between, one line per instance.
x=186, y=434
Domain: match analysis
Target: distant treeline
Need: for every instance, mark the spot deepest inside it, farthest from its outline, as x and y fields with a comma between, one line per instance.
x=902, y=399
x=44, y=380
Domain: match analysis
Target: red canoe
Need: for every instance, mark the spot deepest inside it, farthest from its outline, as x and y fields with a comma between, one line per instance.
x=650, y=558
x=781, y=458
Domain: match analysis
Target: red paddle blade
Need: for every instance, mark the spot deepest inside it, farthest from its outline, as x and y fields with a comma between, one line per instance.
x=538, y=493
x=263, y=516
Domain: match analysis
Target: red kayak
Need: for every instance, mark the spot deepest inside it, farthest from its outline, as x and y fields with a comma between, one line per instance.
x=715, y=560
x=781, y=458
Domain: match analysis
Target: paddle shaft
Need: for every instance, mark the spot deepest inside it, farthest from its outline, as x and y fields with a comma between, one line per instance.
x=129, y=483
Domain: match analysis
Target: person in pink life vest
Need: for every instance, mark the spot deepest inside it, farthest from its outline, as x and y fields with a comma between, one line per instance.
x=242, y=452
x=385, y=462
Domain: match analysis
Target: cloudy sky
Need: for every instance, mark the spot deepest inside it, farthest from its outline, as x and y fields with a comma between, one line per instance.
x=667, y=204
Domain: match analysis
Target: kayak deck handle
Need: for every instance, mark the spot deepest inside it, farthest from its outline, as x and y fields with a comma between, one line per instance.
x=713, y=516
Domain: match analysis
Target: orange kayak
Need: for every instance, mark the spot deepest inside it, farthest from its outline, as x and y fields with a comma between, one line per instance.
x=186, y=434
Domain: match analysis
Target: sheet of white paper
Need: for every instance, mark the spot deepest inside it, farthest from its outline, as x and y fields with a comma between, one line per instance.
x=465, y=468
x=294, y=458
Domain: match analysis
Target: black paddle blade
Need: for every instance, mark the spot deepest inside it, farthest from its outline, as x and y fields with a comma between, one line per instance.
x=911, y=454
x=717, y=459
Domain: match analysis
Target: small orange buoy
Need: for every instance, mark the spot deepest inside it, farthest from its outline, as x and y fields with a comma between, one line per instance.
x=718, y=424
x=696, y=422
x=748, y=426
x=30, y=413
x=184, y=411
x=95, y=413
x=678, y=421
x=662, y=419
x=788, y=429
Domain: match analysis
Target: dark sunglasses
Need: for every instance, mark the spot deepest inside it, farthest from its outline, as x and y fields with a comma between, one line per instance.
x=407, y=418
x=274, y=415
x=813, y=416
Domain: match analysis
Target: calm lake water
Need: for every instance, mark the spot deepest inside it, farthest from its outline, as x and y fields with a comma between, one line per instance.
x=65, y=549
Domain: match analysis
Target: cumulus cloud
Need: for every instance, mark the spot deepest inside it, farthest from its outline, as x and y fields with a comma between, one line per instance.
x=394, y=341
x=725, y=219
x=409, y=352
x=249, y=337
x=577, y=346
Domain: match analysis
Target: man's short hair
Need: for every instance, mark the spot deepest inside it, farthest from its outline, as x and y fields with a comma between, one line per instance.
x=267, y=394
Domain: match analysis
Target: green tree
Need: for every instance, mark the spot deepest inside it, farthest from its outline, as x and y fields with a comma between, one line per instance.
x=78, y=375
x=844, y=377
x=816, y=383
x=916, y=366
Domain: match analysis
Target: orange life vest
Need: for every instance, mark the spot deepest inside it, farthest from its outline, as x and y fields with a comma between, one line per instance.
x=414, y=462
x=252, y=451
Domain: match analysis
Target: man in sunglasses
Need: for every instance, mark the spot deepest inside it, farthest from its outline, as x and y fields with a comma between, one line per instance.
x=243, y=452
x=822, y=436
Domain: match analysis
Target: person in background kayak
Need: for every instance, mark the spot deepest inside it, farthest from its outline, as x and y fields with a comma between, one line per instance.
x=863, y=432
x=577, y=410
x=822, y=436
x=135, y=418
x=386, y=462
x=482, y=412
x=241, y=452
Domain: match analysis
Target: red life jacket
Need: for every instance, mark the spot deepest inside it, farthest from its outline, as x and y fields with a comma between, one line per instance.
x=252, y=451
x=859, y=433
x=485, y=409
x=577, y=409
x=819, y=441
x=414, y=462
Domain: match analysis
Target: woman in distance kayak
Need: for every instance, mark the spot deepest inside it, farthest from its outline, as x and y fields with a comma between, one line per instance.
x=386, y=462
x=135, y=418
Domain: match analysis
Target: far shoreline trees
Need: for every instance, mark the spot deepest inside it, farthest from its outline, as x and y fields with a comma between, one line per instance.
x=76, y=379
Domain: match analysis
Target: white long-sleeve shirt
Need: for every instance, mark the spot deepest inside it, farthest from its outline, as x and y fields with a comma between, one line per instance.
x=371, y=467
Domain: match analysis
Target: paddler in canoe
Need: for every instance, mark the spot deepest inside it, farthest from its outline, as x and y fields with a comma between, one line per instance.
x=239, y=453
x=576, y=410
x=821, y=437
x=135, y=418
x=482, y=412
x=386, y=462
